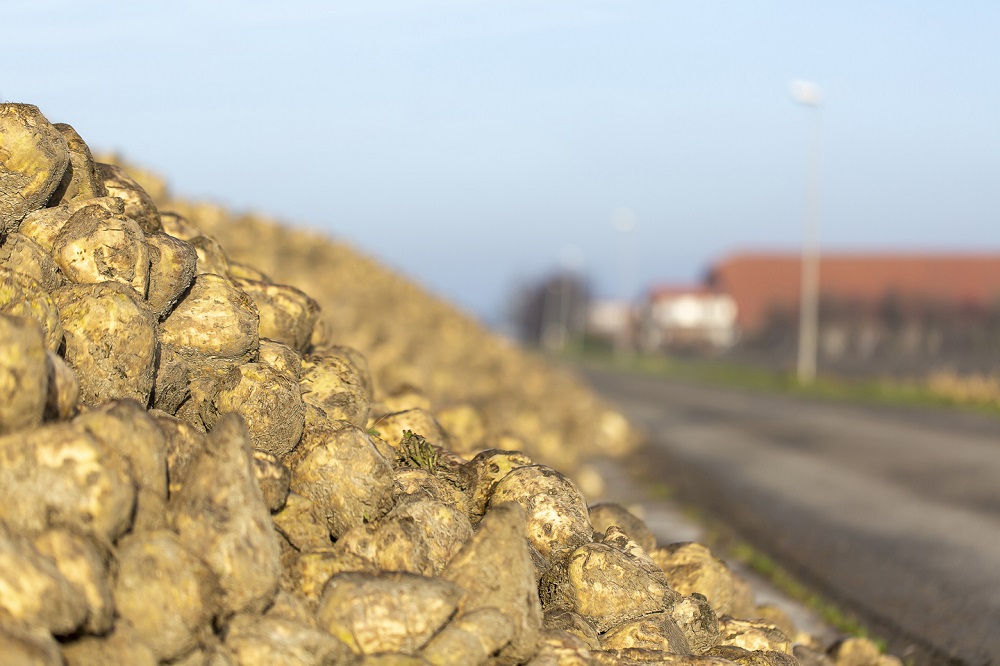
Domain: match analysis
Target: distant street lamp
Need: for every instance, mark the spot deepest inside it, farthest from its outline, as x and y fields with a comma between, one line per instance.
x=557, y=299
x=624, y=223
x=571, y=261
x=808, y=94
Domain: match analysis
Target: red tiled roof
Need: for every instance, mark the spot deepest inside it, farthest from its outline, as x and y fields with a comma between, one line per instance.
x=665, y=290
x=759, y=282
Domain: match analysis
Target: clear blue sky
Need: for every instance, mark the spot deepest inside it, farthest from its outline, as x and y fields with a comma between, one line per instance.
x=470, y=143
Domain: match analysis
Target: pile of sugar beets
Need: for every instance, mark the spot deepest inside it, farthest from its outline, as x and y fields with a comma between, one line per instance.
x=198, y=466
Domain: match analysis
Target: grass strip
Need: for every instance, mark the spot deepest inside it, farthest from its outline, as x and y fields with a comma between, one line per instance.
x=731, y=547
x=902, y=393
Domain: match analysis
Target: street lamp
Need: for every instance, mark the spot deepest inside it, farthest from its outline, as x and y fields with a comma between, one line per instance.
x=624, y=223
x=571, y=262
x=555, y=328
x=808, y=94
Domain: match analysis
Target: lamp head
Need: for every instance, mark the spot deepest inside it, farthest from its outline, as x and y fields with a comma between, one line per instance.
x=806, y=92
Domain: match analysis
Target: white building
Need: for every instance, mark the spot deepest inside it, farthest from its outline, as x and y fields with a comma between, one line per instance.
x=693, y=317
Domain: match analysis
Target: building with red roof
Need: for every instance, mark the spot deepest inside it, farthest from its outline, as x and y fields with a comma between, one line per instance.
x=764, y=283
x=896, y=310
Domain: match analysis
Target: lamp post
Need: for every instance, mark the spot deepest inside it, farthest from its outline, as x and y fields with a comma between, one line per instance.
x=571, y=261
x=624, y=223
x=808, y=94
x=556, y=326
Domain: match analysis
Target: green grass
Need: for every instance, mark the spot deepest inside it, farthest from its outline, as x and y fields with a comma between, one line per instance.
x=830, y=613
x=729, y=373
x=791, y=587
x=726, y=544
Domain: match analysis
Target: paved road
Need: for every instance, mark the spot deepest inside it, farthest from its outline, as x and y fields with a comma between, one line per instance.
x=894, y=513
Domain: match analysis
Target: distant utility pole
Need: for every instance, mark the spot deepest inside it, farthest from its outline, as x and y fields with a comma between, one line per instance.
x=808, y=94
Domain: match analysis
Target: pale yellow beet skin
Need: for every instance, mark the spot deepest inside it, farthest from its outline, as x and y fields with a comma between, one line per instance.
x=23, y=376
x=34, y=157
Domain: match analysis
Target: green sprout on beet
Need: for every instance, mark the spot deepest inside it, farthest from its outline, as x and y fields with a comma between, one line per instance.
x=415, y=451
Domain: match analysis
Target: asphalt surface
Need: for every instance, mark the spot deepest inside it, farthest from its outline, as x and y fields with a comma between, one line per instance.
x=893, y=513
